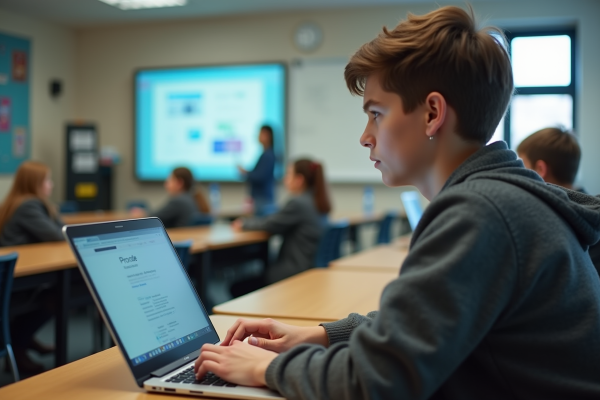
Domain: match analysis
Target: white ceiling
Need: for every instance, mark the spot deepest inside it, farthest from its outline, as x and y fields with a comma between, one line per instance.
x=79, y=13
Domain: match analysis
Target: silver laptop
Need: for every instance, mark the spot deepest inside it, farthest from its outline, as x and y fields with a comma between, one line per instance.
x=150, y=306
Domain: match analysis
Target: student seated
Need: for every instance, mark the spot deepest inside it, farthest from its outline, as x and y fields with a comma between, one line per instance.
x=299, y=222
x=497, y=297
x=554, y=154
x=26, y=217
x=184, y=202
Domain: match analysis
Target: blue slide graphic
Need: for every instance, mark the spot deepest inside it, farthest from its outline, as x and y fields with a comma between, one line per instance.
x=207, y=119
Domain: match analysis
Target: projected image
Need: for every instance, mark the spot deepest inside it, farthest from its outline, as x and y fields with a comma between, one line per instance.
x=207, y=119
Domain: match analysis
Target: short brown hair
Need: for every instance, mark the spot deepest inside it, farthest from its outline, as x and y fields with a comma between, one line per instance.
x=441, y=51
x=558, y=148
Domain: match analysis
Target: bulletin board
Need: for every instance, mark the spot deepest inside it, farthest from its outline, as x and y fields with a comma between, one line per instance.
x=15, y=76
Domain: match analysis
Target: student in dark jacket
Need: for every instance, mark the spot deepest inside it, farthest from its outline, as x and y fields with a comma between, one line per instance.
x=300, y=222
x=262, y=179
x=497, y=298
x=184, y=202
x=26, y=217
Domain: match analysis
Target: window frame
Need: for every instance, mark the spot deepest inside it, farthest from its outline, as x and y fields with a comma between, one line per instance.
x=541, y=90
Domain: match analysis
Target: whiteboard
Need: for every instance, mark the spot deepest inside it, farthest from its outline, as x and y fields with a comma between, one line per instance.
x=326, y=121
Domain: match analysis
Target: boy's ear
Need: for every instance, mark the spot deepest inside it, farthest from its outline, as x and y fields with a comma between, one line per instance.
x=436, y=109
x=541, y=168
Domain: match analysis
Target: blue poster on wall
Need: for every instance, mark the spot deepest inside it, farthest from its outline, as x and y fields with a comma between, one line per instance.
x=15, y=135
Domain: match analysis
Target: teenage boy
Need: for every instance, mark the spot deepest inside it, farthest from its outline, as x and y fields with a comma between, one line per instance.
x=554, y=154
x=497, y=298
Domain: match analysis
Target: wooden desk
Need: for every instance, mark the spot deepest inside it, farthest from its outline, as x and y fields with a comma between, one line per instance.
x=57, y=258
x=355, y=219
x=217, y=237
x=101, y=376
x=54, y=256
x=383, y=258
x=402, y=242
x=317, y=294
x=88, y=217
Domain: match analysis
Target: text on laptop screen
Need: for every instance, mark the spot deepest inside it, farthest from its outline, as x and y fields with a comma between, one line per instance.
x=144, y=290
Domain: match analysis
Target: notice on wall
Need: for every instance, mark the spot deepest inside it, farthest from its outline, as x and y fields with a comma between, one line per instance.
x=15, y=144
x=85, y=163
x=4, y=114
x=19, y=69
x=19, y=142
x=82, y=140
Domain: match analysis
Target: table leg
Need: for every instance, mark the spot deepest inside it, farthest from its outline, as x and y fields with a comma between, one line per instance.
x=264, y=254
x=62, y=316
x=353, y=237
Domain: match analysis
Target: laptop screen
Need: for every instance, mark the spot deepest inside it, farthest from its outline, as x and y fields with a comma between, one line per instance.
x=144, y=290
x=412, y=205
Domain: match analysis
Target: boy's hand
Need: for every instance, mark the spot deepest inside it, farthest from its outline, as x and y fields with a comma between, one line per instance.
x=273, y=335
x=239, y=363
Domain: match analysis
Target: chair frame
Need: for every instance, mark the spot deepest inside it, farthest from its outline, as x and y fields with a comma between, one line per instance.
x=7, y=269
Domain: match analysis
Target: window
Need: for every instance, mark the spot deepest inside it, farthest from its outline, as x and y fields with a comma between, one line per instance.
x=544, y=76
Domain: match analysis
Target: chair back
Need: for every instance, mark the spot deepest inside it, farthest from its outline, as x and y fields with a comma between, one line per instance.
x=137, y=204
x=200, y=219
x=68, y=207
x=183, y=251
x=7, y=270
x=385, y=228
x=331, y=242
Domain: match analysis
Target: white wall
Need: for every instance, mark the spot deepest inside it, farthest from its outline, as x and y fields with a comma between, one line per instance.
x=52, y=57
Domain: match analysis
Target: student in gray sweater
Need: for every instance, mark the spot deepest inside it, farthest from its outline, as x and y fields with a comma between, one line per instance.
x=184, y=202
x=497, y=298
x=300, y=222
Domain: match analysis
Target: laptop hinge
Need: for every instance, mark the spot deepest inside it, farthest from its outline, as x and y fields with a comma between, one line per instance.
x=175, y=364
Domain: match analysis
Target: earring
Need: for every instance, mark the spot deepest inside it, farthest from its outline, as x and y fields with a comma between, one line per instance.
x=430, y=137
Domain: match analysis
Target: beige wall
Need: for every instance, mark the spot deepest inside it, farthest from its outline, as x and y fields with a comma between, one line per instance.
x=52, y=57
x=106, y=57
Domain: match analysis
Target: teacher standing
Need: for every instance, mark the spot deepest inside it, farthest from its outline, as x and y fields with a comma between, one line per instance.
x=261, y=179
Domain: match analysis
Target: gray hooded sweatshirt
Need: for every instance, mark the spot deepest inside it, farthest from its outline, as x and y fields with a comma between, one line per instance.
x=497, y=299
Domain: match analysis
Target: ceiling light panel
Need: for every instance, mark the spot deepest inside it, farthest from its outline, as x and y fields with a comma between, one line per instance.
x=139, y=4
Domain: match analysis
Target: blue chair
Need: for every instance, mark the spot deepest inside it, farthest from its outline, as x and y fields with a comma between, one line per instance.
x=266, y=210
x=201, y=220
x=331, y=242
x=385, y=228
x=68, y=207
x=137, y=204
x=183, y=251
x=7, y=268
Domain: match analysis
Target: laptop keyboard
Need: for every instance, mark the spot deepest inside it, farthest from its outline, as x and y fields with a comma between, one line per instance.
x=188, y=376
